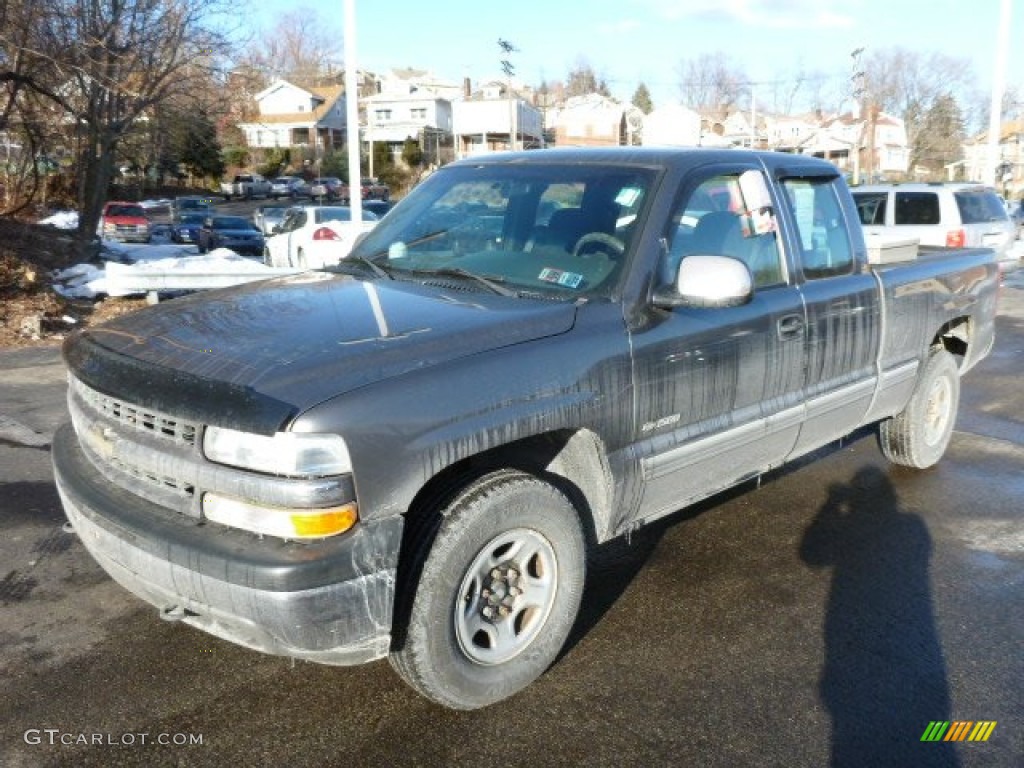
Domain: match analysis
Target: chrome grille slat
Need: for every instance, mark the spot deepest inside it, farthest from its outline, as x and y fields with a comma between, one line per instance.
x=170, y=483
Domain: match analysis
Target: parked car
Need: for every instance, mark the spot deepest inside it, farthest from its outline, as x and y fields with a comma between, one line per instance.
x=268, y=217
x=413, y=454
x=955, y=215
x=314, y=236
x=191, y=204
x=246, y=185
x=328, y=188
x=378, y=207
x=1017, y=216
x=185, y=228
x=124, y=221
x=374, y=190
x=234, y=232
x=288, y=186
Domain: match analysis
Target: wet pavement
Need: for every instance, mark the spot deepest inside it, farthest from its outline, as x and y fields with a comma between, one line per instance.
x=826, y=617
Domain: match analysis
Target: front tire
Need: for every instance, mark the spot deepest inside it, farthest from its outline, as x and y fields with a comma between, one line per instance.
x=919, y=435
x=498, y=591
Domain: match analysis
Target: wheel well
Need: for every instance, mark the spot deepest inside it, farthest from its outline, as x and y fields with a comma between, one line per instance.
x=955, y=337
x=573, y=461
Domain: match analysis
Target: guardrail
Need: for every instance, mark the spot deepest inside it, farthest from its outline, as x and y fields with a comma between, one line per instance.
x=130, y=279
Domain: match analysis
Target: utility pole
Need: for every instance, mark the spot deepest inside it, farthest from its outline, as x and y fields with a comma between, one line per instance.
x=995, y=122
x=857, y=82
x=509, y=69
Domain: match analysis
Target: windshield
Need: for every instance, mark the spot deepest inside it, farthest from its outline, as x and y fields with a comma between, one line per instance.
x=192, y=218
x=340, y=214
x=559, y=229
x=125, y=210
x=231, y=222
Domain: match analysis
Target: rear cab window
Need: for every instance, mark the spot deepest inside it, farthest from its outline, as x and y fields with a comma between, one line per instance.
x=823, y=237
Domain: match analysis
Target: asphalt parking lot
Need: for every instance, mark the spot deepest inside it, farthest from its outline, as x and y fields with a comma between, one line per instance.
x=827, y=616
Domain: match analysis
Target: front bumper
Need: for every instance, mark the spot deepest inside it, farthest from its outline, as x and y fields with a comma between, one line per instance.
x=330, y=601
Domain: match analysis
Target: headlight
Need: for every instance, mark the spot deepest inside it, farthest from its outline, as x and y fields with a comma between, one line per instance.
x=286, y=453
x=278, y=521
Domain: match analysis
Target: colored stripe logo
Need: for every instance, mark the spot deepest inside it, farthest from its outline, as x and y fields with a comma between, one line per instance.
x=958, y=730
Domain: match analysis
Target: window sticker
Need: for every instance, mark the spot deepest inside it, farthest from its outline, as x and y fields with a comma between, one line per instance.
x=627, y=196
x=803, y=204
x=567, y=279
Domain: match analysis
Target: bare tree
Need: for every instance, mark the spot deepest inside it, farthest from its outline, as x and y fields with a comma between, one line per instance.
x=105, y=65
x=582, y=79
x=711, y=81
x=918, y=88
x=300, y=48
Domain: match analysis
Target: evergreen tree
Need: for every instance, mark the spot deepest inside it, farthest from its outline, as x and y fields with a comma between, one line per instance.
x=412, y=153
x=642, y=99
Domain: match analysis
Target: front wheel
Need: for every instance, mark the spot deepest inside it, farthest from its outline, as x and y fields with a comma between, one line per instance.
x=498, y=591
x=918, y=436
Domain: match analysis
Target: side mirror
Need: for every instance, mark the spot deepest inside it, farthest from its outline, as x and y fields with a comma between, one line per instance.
x=708, y=282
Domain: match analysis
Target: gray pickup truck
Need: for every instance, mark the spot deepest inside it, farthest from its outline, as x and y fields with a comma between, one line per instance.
x=247, y=186
x=413, y=454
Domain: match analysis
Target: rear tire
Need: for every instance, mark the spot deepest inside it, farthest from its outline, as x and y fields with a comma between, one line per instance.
x=498, y=591
x=919, y=436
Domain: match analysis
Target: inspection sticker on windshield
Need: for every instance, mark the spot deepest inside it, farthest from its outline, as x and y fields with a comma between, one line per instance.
x=568, y=279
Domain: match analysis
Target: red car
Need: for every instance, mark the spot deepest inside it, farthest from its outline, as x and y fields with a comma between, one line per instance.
x=124, y=221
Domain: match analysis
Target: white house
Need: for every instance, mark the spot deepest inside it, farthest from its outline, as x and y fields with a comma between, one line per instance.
x=291, y=116
x=421, y=115
x=407, y=81
x=490, y=121
x=673, y=125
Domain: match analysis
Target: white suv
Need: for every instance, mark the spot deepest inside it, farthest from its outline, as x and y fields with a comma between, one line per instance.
x=952, y=215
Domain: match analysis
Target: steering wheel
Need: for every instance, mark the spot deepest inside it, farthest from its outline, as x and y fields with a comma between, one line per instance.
x=602, y=242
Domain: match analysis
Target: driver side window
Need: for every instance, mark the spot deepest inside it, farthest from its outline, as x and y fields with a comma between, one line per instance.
x=716, y=220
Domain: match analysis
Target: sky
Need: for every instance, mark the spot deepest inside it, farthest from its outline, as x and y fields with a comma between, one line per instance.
x=629, y=41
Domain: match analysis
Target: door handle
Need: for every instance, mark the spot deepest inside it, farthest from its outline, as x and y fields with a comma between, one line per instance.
x=790, y=326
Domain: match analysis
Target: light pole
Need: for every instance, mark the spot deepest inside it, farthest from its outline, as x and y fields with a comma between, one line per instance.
x=355, y=199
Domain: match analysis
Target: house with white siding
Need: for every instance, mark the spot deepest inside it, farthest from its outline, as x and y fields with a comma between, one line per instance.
x=292, y=116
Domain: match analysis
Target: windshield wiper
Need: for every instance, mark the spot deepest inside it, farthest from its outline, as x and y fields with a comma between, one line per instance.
x=488, y=282
x=377, y=269
x=417, y=241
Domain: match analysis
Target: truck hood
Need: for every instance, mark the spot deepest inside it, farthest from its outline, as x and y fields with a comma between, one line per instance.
x=298, y=341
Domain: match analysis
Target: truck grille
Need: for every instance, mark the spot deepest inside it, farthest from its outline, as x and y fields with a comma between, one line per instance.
x=133, y=416
x=158, y=457
x=141, y=450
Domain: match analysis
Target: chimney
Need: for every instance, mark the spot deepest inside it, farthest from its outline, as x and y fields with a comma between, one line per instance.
x=467, y=89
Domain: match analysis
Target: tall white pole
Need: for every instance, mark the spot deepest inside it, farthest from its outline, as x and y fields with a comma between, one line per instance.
x=355, y=189
x=753, y=116
x=995, y=122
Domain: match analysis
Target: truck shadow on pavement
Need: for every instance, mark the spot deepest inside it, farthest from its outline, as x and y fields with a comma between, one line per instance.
x=884, y=677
